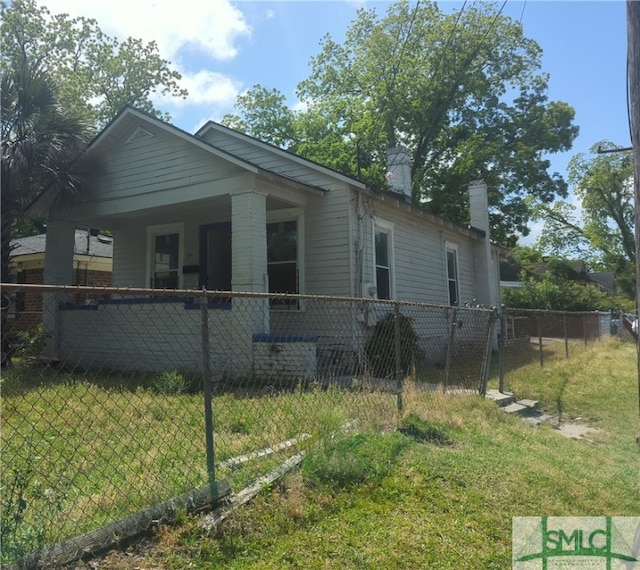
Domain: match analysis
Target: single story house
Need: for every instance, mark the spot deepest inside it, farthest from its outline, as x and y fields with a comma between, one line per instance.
x=92, y=266
x=221, y=210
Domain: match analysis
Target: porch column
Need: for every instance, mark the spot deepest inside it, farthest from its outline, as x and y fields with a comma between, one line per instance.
x=249, y=255
x=58, y=270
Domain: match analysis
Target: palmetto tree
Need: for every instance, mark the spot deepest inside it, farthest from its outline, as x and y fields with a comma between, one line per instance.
x=40, y=141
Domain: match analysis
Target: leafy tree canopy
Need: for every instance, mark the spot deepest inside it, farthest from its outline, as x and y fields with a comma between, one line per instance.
x=562, y=295
x=96, y=75
x=601, y=231
x=462, y=91
x=40, y=138
x=552, y=282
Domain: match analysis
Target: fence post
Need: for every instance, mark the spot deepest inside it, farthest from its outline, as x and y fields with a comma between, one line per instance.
x=398, y=353
x=502, y=346
x=584, y=327
x=208, y=391
x=540, y=340
x=486, y=361
x=452, y=336
x=566, y=336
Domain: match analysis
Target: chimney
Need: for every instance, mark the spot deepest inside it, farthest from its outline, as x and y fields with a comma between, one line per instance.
x=479, y=206
x=485, y=269
x=399, y=171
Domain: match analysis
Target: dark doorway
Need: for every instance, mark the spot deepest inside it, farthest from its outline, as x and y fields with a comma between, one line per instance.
x=215, y=256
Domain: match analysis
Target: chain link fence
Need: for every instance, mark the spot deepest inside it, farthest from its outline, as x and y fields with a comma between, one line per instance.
x=120, y=407
x=537, y=337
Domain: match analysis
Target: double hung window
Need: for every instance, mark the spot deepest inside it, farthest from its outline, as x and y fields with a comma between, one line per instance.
x=383, y=252
x=282, y=260
x=452, y=274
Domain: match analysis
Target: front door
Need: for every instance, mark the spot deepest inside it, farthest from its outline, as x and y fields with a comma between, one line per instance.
x=215, y=256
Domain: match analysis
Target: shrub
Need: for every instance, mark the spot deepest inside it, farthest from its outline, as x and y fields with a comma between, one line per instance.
x=381, y=349
x=29, y=343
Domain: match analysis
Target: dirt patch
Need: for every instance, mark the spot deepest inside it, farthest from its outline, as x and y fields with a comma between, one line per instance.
x=575, y=430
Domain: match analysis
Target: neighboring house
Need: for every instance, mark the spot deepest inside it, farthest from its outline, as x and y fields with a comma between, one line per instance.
x=92, y=266
x=602, y=280
x=224, y=211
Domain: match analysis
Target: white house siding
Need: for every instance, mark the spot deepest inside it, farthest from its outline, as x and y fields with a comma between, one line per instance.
x=419, y=267
x=158, y=163
x=327, y=270
x=420, y=273
x=154, y=172
x=129, y=256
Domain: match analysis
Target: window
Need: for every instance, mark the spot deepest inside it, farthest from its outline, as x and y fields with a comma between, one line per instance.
x=282, y=260
x=452, y=274
x=165, y=256
x=383, y=260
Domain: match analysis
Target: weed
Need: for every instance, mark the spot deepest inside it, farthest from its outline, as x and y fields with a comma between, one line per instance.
x=29, y=343
x=175, y=383
x=357, y=458
x=26, y=510
x=424, y=430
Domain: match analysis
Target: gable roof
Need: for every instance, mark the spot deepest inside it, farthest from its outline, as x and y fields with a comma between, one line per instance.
x=128, y=116
x=213, y=126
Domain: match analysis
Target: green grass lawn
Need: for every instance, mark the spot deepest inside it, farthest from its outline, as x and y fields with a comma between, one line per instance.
x=82, y=450
x=392, y=500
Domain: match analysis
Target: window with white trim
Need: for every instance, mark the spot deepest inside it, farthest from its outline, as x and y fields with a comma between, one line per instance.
x=284, y=256
x=452, y=274
x=383, y=254
x=164, y=256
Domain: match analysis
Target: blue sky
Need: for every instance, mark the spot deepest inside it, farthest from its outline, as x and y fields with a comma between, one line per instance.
x=223, y=48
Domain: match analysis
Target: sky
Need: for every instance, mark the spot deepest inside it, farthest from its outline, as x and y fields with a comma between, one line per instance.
x=223, y=48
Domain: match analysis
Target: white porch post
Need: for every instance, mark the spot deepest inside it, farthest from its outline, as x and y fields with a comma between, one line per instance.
x=58, y=270
x=249, y=254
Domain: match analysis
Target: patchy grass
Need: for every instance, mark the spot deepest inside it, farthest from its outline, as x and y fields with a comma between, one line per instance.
x=83, y=450
x=440, y=506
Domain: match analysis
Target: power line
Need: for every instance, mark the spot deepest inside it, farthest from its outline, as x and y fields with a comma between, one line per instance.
x=522, y=13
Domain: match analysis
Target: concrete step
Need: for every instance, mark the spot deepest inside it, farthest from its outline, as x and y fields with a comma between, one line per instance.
x=515, y=408
x=502, y=399
x=531, y=404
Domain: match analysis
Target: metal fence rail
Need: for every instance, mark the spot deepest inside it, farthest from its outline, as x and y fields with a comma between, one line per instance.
x=121, y=405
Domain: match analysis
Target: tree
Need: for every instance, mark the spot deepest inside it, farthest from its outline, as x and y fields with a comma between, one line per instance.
x=96, y=74
x=601, y=231
x=40, y=139
x=462, y=91
x=553, y=283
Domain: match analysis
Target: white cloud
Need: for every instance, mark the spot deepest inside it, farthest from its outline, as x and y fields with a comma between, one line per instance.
x=271, y=14
x=190, y=34
x=206, y=88
x=300, y=106
x=212, y=27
